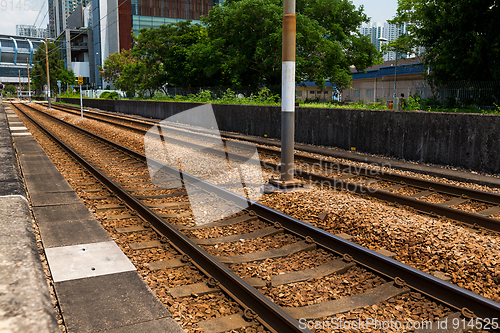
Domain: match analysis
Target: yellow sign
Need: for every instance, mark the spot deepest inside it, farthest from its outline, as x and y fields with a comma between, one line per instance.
x=80, y=80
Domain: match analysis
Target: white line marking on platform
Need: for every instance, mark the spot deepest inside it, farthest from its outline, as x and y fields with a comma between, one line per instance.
x=12, y=115
x=20, y=134
x=86, y=260
x=18, y=128
x=14, y=196
x=16, y=123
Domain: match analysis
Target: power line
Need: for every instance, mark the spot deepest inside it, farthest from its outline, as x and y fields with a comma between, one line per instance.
x=41, y=8
x=100, y=30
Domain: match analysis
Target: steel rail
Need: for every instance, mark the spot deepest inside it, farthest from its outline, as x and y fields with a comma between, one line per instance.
x=445, y=292
x=471, y=219
x=453, y=190
x=268, y=313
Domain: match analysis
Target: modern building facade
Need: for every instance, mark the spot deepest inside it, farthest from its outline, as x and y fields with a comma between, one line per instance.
x=114, y=21
x=15, y=54
x=30, y=31
x=59, y=11
x=391, y=32
x=76, y=46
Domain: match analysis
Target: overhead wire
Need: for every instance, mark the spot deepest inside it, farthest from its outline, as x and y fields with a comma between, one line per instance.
x=83, y=30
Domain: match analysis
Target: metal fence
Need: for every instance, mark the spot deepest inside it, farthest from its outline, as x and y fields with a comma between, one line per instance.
x=456, y=94
x=217, y=92
x=484, y=94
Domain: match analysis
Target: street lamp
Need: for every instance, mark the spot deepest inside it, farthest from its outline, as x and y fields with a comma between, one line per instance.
x=382, y=39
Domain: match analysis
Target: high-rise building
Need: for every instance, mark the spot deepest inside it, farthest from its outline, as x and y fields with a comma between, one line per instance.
x=114, y=21
x=59, y=11
x=385, y=30
x=93, y=32
x=30, y=31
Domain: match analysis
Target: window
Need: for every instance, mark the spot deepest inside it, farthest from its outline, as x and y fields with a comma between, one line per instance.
x=369, y=93
x=357, y=93
x=319, y=92
x=299, y=92
x=311, y=92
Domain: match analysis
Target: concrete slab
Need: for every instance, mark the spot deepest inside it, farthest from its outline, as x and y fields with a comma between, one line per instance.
x=50, y=182
x=42, y=162
x=72, y=233
x=30, y=155
x=108, y=302
x=18, y=128
x=165, y=325
x=62, y=213
x=25, y=304
x=27, y=145
x=10, y=177
x=21, y=134
x=87, y=260
x=40, y=199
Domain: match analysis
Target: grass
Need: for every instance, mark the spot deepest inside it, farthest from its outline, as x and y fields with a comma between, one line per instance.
x=265, y=97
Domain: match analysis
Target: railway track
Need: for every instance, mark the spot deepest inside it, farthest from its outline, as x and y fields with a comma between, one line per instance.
x=409, y=191
x=222, y=261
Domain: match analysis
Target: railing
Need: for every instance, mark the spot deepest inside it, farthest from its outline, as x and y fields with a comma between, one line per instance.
x=453, y=95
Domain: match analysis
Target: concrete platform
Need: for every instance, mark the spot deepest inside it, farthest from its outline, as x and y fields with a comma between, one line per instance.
x=25, y=304
x=97, y=287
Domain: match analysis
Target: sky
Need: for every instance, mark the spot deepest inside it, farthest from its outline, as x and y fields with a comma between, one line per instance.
x=14, y=12
x=378, y=10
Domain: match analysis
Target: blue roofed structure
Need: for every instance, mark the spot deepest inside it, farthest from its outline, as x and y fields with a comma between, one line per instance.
x=376, y=83
x=408, y=69
x=308, y=90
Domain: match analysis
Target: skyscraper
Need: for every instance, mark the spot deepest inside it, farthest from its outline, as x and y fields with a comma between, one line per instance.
x=59, y=11
x=385, y=30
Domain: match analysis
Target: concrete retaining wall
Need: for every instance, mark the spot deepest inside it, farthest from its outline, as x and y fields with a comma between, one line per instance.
x=470, y=141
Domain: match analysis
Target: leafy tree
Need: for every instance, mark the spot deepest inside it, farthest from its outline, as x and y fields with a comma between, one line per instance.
x=247, y=35
x=10, y=89
x=239, y=45
x=166, y=51
x=66, y=76
x=121, y=69
x=39, y=71
x=460, y=37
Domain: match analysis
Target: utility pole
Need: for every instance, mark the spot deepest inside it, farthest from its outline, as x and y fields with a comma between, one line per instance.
x=288, y=96
x=29, y=83
x=47, y=63
x=396, y=72
x=19, y=93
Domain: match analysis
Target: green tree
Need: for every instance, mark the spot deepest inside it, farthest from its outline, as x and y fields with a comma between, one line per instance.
x=10, y=89
x=239, y=45
x=247, y=36
x=167, y=53
x=460, y=37
x=39, y=71
x=121, y=70
x=66, y=77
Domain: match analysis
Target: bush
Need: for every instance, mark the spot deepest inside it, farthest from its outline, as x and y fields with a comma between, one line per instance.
x=109, y=95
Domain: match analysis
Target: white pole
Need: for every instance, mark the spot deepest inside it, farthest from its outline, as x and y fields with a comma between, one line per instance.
x=288, y=92
x=81, y=101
